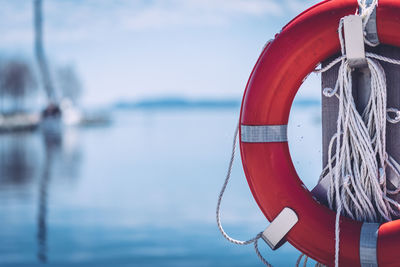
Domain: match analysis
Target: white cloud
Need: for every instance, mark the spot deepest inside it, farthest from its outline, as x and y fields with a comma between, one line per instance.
x=298, y=6
x=124, y=35
x=72, y=20
x=199, y=13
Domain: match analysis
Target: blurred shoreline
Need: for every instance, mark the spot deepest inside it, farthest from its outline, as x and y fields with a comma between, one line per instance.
x=186, y=103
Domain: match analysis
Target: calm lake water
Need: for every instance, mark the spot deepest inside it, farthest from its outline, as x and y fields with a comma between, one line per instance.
x=141, y=192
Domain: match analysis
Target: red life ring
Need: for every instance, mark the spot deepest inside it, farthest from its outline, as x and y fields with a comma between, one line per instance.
x=307, y=40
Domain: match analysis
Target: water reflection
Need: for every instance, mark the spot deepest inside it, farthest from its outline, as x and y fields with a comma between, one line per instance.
x=17, y=166
x=136, y=193
x=42, y=211
x=52, y=144
x=29, y=158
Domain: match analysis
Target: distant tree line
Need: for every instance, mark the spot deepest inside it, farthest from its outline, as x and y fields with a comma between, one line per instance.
x=19, y=83
x=16, y=82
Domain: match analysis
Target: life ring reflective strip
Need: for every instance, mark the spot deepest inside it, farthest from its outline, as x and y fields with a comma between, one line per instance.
x=284, y=63
x=368, y=242
x=263, y=133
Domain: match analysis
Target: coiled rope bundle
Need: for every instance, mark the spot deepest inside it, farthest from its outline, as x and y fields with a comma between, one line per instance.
x=357, y=157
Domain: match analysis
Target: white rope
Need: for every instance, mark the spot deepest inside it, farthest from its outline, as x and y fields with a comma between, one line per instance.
x=221, y=194
x=396, y=119
x=382, y=58
x=263, y=260
x=330, y=65
x=306, y=258
x=365, y=11
x=357, y=166
x=258, y=236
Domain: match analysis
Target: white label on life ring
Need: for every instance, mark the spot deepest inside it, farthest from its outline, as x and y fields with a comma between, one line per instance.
x=279, y=227
x=354, y=41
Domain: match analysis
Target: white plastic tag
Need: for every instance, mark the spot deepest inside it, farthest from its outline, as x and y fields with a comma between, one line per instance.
x=279, y=227
x=354, y=41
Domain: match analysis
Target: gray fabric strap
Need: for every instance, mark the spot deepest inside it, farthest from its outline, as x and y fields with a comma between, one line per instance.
x=263, y=133
x=368, y=242
x=372, y=32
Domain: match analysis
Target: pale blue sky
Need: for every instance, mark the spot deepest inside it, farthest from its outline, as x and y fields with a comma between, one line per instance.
x=134, y=49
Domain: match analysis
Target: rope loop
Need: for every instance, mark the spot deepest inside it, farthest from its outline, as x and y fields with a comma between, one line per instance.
x=396, y=112
x=218, y=210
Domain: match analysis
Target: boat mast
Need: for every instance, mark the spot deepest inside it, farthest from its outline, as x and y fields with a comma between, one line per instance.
x=40, y=54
